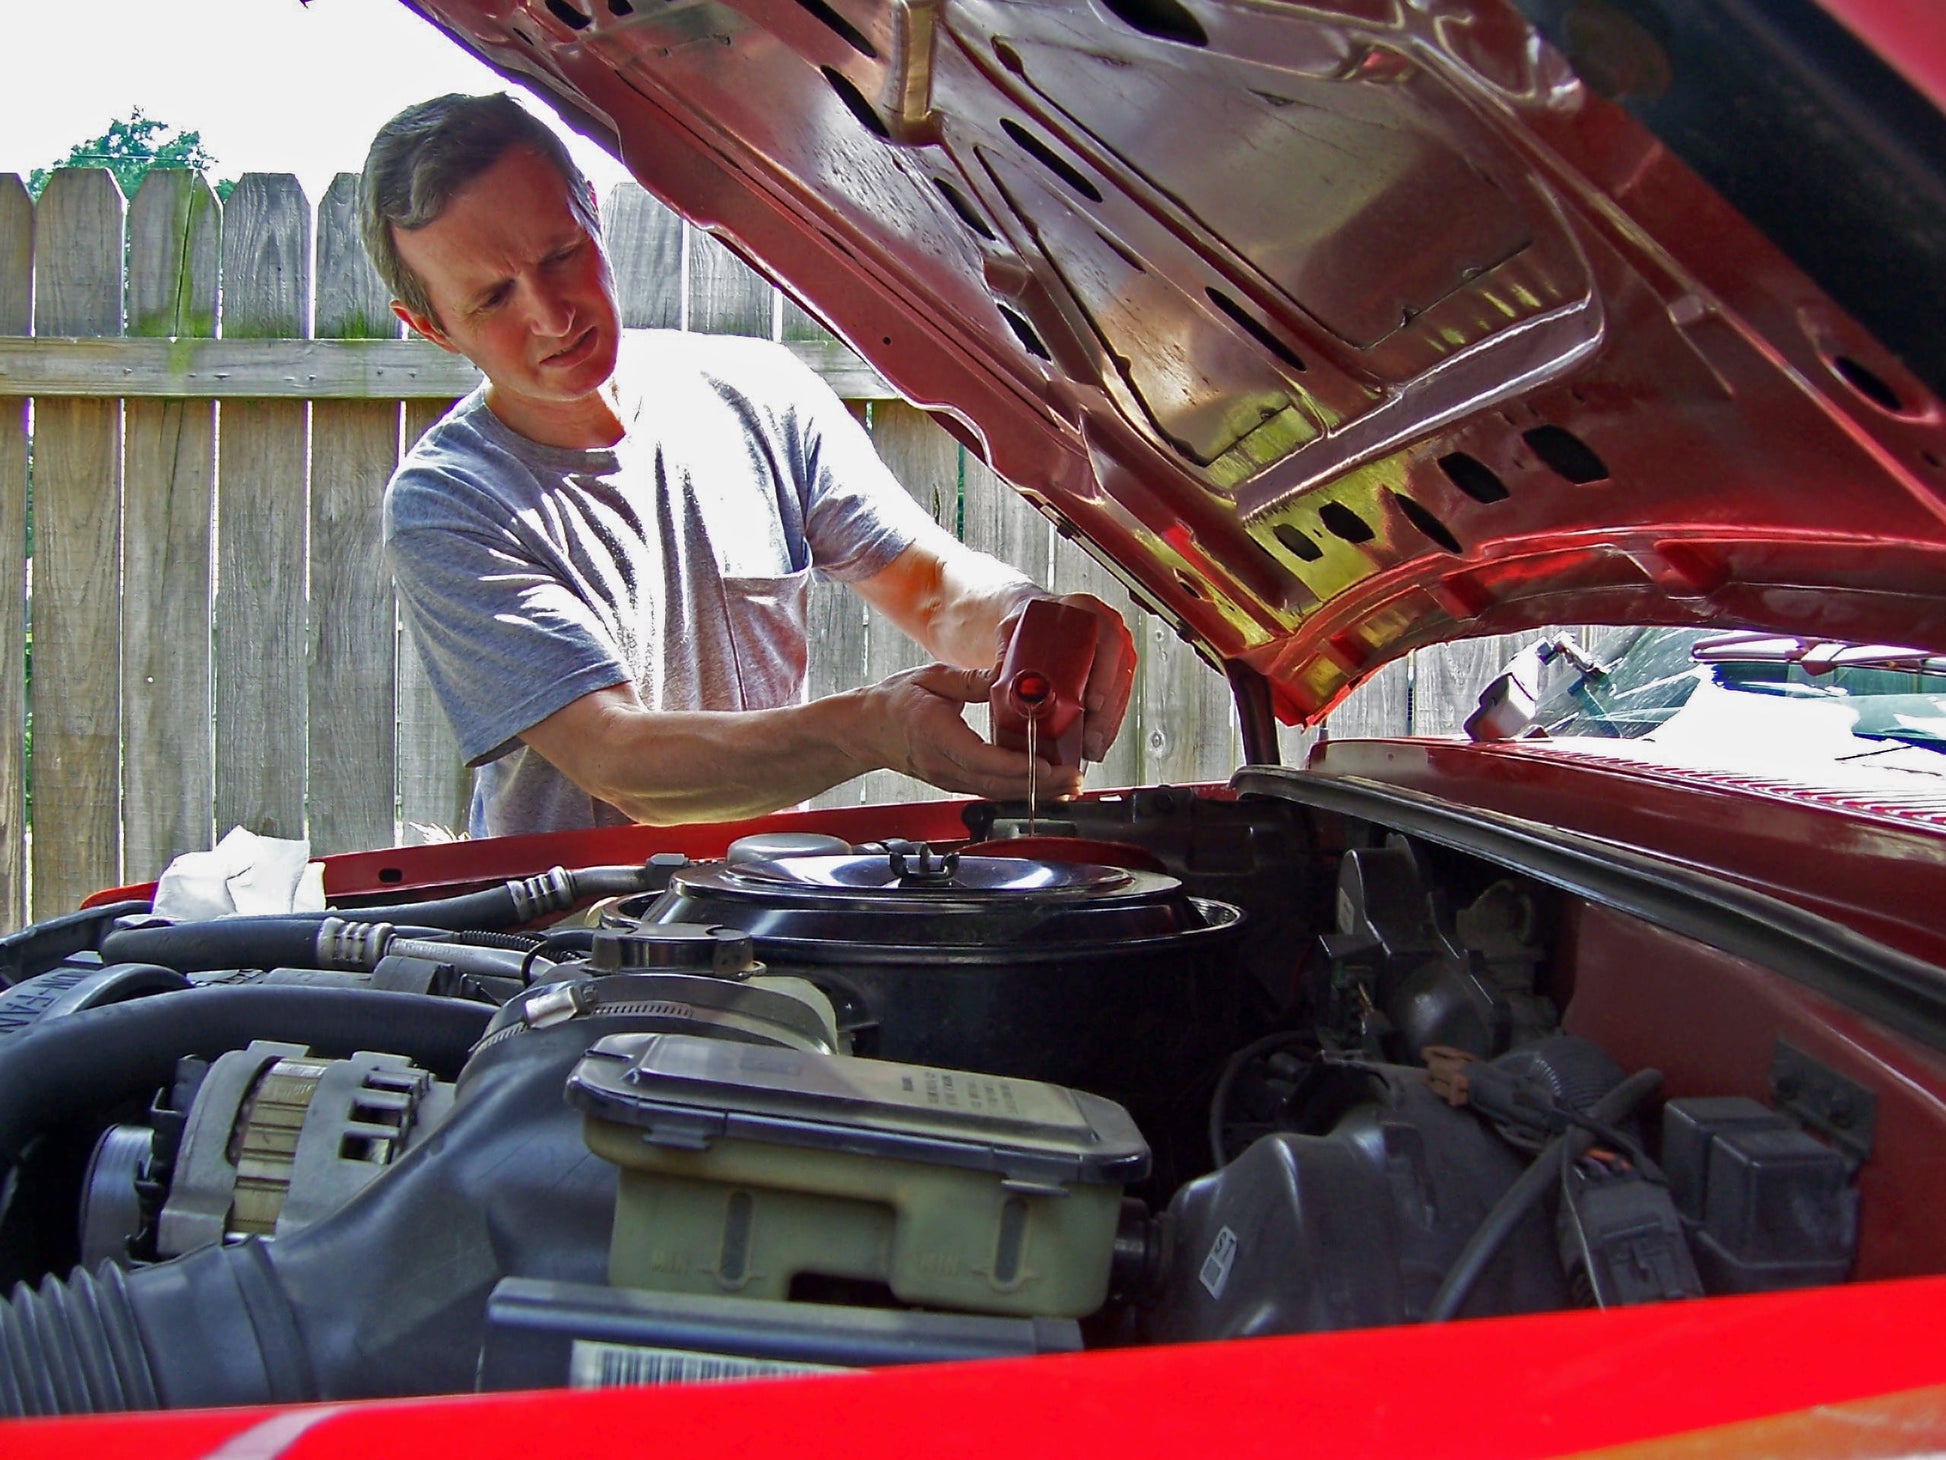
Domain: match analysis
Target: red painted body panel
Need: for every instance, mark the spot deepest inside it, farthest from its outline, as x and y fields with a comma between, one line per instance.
x=1866, y=867
x=1907, y=34
x=1505, y=1388
x=452, y=866
x=1710, y=1023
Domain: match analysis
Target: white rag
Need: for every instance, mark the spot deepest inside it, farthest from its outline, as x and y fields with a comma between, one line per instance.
x=245, y=873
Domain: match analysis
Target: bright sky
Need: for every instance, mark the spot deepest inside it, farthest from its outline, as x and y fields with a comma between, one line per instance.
x=272, y=85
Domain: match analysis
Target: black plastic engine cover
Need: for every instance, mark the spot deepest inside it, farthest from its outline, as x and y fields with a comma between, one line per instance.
x=1302, y=1234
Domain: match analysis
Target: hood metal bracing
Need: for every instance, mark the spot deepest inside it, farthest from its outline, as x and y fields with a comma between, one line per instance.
x=1337, y=329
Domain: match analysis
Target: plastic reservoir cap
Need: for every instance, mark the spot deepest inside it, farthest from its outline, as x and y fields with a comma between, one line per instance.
x=1019, y=1129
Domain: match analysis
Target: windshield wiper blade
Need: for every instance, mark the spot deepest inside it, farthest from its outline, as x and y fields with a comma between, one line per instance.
x=1813, y=656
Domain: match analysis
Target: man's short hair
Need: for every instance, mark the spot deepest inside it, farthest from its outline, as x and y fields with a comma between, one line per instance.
x=430, y=151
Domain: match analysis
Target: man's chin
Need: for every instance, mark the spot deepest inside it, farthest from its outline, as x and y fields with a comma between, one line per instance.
x=578, y=371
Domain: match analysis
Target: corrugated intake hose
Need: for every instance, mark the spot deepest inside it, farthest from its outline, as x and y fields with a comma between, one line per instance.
x=103, y=1341
x=385, y=1297
x=290, y=939
x=99, y=1057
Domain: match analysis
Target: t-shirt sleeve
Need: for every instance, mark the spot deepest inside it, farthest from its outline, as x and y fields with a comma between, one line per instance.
x=504, y=643
x=858, y=517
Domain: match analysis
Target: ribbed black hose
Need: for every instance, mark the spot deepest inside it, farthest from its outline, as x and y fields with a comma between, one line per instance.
x=289, y=940
x=511, y=903
x=214, y=1327
x=1519, y=1199
x=72, y=1347
x=200, y=947
x=99, y=1057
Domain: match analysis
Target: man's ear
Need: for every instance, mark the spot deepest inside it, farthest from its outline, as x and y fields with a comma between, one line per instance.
x=423, y=324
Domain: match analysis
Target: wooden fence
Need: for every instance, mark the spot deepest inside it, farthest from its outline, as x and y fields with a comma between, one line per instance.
x=203, y=401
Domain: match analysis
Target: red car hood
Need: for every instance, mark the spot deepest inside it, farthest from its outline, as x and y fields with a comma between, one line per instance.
x=1348, y=327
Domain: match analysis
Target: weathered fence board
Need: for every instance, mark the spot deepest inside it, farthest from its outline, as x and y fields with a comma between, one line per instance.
x=16, y=317
x=1294, y=743
x=169, y=483
x=353, y=663
x=1382, y=705
x=795, y=322
x=1447, y=679
x=261, y=700
x=224, y=369
x=77, y=555
x=645, y=250
x=926, y=462
x=435, y=788
x=1074, y=571
x=994, y=520
x=1185, y=724
x=726, y=295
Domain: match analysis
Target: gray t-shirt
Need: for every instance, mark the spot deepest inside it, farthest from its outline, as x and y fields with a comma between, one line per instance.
x=678, y=559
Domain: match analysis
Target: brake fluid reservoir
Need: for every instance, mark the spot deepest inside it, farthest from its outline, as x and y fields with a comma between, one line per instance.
x=745, y=1166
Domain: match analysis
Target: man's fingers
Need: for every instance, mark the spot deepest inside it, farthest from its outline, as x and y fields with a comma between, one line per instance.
x=968, y=686
x=943, y=750
x=1111, y=678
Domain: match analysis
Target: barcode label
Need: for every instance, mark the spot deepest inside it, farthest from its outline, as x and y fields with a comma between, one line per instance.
x=593, y=1365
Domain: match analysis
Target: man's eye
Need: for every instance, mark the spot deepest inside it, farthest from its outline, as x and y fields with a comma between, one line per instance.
x=491, y=301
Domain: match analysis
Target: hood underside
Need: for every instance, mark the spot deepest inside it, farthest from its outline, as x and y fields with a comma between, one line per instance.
x=1340, y=329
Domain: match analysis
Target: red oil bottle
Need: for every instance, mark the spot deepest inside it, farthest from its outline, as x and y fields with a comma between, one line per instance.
x=1042, y=680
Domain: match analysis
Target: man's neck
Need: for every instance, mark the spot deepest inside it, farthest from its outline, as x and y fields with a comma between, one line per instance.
x=587, y=424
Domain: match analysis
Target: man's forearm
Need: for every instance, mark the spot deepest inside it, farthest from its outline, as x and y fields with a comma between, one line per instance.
x=669, y=767
x=949, y=600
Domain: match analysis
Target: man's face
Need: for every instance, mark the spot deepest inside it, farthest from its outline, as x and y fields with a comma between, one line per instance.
x=520, y=287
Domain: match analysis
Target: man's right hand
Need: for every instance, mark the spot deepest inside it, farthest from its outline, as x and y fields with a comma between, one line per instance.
x=918, y=717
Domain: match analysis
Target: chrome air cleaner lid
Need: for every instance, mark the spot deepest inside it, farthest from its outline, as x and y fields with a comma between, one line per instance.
x=935, y=906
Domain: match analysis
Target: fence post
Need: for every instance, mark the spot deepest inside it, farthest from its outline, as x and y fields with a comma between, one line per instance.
x=926, y=462
x=16, y=318
x=77, y=555
x=169, y=480
x=261, y=703
x=435, y=787
x=354, y=447
x=1382, y=705
x=1074, y=571
x=644, y=241
x=726, y=295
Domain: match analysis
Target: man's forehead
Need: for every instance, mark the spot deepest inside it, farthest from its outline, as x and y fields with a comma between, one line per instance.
x=514, y=211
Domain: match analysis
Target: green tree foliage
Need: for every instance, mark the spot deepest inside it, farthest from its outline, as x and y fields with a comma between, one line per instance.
x=129, y=148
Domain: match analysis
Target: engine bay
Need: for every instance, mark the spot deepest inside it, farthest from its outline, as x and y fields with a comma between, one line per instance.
x=1164, y=1066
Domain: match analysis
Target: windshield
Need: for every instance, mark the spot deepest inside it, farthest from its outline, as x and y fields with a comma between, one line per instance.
x=1775, y=693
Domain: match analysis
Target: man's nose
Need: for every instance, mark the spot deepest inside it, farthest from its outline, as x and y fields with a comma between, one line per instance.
x=549, y=309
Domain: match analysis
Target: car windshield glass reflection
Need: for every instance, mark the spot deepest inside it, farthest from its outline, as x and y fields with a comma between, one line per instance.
x=1778, y=694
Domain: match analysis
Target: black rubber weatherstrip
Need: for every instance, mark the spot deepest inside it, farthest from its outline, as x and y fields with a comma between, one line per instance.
x=1901, y=991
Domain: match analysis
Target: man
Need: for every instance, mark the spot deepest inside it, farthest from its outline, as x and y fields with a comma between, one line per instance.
x=602, y=554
